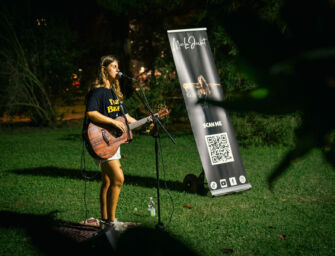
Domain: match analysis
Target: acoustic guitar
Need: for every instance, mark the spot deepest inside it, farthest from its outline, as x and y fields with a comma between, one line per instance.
x=102, y=141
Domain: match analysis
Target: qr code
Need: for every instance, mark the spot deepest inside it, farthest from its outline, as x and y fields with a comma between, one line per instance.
x=219, y=148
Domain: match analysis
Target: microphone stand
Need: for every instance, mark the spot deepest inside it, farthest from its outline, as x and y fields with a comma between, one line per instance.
x=156, y=122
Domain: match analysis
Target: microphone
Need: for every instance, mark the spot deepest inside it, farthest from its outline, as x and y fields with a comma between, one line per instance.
x=120, y=74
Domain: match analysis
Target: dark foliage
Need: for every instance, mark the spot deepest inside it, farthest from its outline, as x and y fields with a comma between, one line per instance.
x=292, y=65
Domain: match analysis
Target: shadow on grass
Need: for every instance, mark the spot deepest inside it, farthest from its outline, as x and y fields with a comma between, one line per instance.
x=51, y=171
x=52, y=237
x=174, y=133
x=72, y=137
x=43, y=234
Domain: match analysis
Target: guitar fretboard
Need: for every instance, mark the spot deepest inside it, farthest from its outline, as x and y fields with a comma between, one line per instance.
x=142, y=121
x=138, y=123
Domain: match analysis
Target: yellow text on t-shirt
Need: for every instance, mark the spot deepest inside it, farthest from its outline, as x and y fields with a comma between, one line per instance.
x=114, y=102
x=115, y=106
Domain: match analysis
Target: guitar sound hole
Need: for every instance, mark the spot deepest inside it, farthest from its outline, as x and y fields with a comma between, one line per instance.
x=117, y=133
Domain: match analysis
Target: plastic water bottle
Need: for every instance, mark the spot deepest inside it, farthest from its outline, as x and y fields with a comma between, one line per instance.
x=151, y=207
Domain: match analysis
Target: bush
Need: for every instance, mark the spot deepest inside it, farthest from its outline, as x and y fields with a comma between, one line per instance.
x=36, y=59
x=258, y=129
x=161, y=89
x=250, y=128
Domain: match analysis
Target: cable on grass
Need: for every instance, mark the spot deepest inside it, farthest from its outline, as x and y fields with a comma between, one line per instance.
x=165, y=183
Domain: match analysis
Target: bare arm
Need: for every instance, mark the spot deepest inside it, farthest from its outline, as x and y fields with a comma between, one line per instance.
x=97, y=117
x=130, y=119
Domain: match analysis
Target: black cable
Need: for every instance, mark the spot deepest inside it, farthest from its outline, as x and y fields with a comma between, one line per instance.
x=165, y=183
x=82, y=169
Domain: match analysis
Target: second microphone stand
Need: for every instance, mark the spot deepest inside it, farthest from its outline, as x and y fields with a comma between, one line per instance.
x=156, y=122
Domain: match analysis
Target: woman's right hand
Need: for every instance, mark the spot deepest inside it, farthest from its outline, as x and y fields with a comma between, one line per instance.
x=119, y=125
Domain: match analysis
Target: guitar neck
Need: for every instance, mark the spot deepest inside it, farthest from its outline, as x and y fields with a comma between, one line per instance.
x=138, y=123
x=142, y=121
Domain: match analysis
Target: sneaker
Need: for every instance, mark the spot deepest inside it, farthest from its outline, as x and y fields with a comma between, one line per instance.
x=118, y=226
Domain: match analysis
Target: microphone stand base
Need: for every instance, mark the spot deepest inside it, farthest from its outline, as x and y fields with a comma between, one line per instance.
x=160, y=226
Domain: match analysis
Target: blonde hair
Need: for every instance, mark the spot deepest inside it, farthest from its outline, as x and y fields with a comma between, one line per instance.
x=102, y=80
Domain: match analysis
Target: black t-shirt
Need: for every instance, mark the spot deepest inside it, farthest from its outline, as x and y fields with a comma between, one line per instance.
x=104, y=101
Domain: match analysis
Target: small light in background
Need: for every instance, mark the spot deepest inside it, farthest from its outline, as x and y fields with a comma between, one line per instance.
x=142, y=69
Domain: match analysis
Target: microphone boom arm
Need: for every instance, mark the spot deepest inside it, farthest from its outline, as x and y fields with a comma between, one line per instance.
x=145, y=102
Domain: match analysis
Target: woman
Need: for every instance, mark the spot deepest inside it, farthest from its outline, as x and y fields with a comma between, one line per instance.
x=104, y=103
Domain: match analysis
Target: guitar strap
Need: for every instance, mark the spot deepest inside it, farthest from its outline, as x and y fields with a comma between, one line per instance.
x=123, y=114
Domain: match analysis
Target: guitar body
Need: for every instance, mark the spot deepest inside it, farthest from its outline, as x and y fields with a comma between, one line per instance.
x=104, y=140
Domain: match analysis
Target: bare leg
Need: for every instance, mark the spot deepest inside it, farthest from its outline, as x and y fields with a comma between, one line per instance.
x=112, y=181
x=103, y=194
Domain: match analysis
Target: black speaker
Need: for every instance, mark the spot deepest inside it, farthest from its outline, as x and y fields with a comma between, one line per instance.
x=102, y=241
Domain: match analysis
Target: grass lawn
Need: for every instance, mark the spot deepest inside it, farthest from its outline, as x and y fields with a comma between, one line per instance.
x=40, y=173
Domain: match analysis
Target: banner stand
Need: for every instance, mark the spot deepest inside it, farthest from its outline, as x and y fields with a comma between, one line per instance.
x=194, y=184
x=211, y=125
